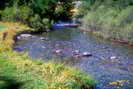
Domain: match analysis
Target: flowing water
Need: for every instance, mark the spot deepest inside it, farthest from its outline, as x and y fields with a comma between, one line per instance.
x=111, y=64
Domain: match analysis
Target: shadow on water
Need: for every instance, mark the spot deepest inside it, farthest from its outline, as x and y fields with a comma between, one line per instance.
x=9, y=83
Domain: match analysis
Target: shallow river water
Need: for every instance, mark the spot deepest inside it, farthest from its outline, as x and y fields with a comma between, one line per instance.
x=111, y=64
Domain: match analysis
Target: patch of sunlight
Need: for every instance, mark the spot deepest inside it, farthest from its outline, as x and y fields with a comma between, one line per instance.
x=2, y=27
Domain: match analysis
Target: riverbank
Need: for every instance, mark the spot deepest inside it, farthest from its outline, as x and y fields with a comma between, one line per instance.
x=17, y=70
x=110, y=23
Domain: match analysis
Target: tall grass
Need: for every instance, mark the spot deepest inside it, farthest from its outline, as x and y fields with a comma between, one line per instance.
x=18, y=71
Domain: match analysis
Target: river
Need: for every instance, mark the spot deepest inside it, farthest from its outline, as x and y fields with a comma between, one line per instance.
x=111, y=64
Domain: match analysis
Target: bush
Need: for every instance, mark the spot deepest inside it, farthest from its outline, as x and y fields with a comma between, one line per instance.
x=9, y=14
x=21, y=13
x=35, y=22
x=111, y=22
x=39, y=24
x=25, y=14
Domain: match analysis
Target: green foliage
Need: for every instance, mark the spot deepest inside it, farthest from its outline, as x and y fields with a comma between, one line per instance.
x=83, y=9
x=26, y=15
x=8, y=14
x=39, y=24
x=34, y=12
x=109, y=18
x=53, y=9
x=111, y=23
x=14, y=13
x=88, y=5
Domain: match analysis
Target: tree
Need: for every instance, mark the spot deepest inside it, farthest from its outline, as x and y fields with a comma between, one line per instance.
x=53, y=9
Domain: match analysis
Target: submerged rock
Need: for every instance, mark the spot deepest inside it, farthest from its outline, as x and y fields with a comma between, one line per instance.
x=58, y=51
x=113, y=57
x=76, y=52
x=43, y=47
x=77, y=56
x=87, y=54
x=43, y=38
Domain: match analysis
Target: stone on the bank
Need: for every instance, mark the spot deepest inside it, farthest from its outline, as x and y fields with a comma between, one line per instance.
x=25, y=35
x=18, y=37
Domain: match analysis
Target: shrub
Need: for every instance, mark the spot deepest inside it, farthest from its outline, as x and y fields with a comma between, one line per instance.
x=39, y=24
x=9, y=14
x=14, y=13
x=35, y=22
x=25, y=14
x=111, y=22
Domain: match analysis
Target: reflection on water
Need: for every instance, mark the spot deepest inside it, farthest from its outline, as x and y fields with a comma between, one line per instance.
x=111, y=64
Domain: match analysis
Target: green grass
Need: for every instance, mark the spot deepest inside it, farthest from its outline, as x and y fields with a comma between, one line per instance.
x=18, y=71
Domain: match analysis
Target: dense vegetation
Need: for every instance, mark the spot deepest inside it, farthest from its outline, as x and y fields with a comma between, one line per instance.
x=38, y=14
x=111, y=19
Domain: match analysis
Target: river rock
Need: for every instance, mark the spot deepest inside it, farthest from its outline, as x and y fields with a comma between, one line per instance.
x=76, y=56
x=42, y=38
x=58, y=51
x=76, y=52
x=43, y=47
x=113, y=57
x=25, y=35
x=104, y=47
x=18, y=37
x=87, y=54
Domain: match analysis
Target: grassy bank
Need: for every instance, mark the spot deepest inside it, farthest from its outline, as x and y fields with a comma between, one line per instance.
x=110, y=23
x=17, y=71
